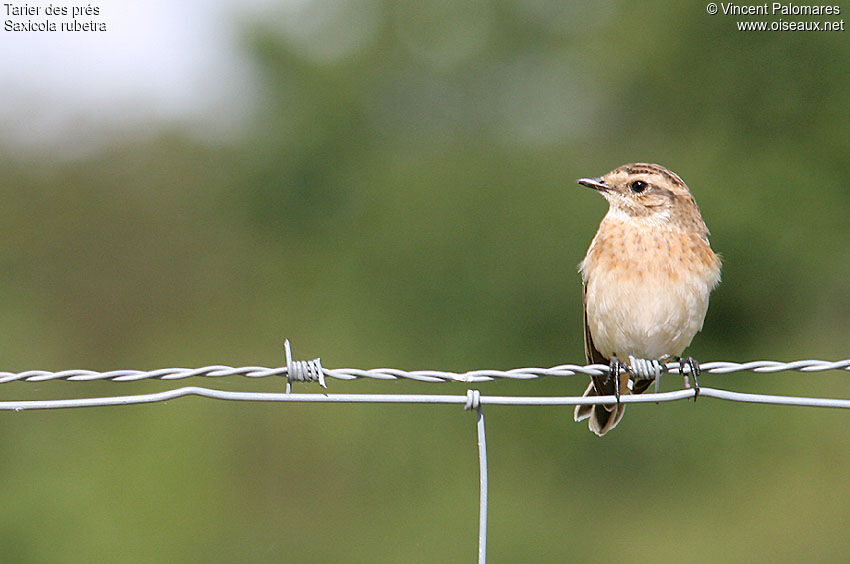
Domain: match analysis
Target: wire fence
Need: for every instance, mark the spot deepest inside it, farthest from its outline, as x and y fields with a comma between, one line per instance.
x=313, y=371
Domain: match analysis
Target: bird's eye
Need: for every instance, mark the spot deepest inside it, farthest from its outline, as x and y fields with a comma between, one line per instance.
x=638, y=186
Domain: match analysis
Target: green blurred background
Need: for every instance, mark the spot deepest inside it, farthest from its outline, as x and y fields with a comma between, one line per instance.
x=404, y=195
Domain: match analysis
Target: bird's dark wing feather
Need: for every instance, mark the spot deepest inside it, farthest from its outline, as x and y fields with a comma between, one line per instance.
x=640, y=386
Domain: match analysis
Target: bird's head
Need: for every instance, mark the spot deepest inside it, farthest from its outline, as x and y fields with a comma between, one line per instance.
x=647, y=192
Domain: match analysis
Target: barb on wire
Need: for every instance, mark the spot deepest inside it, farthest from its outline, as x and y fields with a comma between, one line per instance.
x=302, y=370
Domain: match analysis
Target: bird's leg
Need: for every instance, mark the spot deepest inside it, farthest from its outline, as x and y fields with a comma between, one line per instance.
x=661, y=362
x=614, y=376
x=693, y=367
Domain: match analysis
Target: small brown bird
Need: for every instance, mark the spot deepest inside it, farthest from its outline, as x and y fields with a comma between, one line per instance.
x=646, y=279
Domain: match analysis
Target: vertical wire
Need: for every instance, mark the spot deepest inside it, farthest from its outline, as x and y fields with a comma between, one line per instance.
x=482, y=467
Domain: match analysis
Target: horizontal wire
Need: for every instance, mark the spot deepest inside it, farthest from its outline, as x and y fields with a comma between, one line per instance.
x=167, y=395
x=473, y=376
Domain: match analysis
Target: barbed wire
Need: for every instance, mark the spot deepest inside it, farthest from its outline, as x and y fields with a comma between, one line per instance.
x=470, y=377
x=312, y=371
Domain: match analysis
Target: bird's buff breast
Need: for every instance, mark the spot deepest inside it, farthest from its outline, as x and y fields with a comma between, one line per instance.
x=647, y=291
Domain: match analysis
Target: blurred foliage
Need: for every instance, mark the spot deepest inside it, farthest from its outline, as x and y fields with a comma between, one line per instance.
x=406, y=198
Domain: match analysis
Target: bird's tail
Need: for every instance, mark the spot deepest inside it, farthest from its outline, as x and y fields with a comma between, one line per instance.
x=603, y=418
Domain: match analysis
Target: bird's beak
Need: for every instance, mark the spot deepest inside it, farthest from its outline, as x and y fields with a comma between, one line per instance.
x=595, y=183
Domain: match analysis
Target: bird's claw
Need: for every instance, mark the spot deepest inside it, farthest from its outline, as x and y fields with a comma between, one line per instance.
x=693, y=368
x=614, y=376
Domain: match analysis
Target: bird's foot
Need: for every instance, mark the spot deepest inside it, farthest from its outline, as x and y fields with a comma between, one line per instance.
x=614, y=375
x=693, y=370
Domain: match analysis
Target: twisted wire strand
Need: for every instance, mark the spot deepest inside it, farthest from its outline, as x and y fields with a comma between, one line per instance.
x=472, y=376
